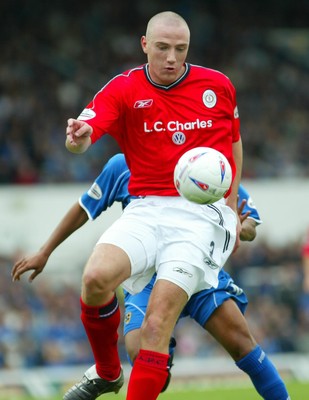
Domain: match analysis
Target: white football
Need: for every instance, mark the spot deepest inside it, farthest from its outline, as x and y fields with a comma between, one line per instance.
x=202, y=175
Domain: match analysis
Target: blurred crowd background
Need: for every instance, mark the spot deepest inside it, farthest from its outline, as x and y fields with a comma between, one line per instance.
x=56, y=55
x=40, y=322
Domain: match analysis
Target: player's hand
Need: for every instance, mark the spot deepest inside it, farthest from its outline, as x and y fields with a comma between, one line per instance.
x=78, y=135
x=35, y=262
x=240, y=209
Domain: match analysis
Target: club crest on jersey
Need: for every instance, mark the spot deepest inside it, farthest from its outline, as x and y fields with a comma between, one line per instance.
x=143, y=103
x=209, y=98
x=203, y=186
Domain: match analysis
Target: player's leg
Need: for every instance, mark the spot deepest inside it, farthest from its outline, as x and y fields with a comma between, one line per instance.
x=135, y=310
x=134, y=314
x=119, y=254
x=133, y=343
x=150, y=369
x=220, y=311
x=107, y=267
x=179, y=275
x=229, y=327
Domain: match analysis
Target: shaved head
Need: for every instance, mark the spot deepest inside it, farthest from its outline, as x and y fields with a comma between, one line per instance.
x=166, y=44
x=166, y=19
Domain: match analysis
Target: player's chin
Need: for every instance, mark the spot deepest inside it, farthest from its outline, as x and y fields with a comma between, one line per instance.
x=168, y=77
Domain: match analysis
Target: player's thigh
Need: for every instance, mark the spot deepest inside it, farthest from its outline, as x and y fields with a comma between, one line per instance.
x=230, y=328
x=135, y=235
x=108, y=265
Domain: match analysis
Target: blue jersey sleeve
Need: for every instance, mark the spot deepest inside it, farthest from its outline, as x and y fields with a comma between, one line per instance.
x=110, y=186
x=250, y=206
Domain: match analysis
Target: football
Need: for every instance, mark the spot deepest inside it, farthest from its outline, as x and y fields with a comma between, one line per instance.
x=202, y=175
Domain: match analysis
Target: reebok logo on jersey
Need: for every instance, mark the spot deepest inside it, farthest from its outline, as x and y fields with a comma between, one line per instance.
x=182, y=271
x=143, y=103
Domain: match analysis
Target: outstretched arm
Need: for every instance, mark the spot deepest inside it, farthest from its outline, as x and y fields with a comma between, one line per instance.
x=73, y=220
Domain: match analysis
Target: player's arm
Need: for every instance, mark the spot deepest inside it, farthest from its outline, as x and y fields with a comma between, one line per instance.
x=305, y=262
x=233, y=197
x=232, y=200
x=78, y=136
x=73, y=220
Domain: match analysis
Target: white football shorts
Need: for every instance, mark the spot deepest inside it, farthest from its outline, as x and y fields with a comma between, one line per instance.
x=184, y=242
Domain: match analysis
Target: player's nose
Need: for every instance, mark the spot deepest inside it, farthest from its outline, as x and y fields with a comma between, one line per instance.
x=171, y=56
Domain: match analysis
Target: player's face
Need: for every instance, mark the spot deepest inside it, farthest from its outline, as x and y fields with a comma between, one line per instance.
x=166, y=49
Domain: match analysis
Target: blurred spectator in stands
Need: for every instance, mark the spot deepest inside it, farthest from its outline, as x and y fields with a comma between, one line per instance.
x=37, y=329
x=49, y=62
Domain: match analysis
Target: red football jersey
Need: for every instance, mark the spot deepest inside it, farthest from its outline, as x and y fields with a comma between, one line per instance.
x=154, y=124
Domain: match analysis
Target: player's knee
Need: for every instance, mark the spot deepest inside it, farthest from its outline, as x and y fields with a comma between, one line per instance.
x=94, y=284
x=242, y=346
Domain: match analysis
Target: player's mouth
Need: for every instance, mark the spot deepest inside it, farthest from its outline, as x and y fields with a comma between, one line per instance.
x=170, y=69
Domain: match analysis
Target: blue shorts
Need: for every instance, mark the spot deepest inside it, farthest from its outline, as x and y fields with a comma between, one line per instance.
x=200, y=306
x=135, y=307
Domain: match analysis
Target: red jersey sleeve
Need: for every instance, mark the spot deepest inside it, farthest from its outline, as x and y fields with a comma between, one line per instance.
x=104, y=111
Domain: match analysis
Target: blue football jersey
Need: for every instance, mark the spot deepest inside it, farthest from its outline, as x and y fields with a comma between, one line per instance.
x=110, y=186
x=250, y=206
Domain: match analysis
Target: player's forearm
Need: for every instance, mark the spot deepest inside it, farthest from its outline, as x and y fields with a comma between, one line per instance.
x=72, y=221
x=237, y=154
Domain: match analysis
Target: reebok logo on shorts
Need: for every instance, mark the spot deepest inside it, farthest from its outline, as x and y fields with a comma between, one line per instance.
x=210, y=262
x=182, y=271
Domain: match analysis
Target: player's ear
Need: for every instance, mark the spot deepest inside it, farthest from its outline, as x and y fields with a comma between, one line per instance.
x=144, y=44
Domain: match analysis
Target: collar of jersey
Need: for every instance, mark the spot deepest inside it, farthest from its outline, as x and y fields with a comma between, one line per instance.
x=166, y=87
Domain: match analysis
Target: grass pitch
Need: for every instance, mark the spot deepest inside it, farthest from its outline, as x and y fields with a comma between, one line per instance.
x=298, y=391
